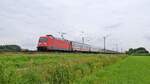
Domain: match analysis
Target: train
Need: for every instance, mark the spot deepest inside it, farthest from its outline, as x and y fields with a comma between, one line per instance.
x=51, y=43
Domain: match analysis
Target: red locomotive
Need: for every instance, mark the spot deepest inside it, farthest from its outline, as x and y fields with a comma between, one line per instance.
x=51, y=43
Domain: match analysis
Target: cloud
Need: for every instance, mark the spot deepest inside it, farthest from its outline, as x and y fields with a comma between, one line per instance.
x=23, y=21
x=146, y=37
x=114, y=26
x=1, y=29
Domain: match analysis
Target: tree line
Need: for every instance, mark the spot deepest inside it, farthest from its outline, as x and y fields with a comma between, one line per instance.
x=137, y=51
x=10, y=48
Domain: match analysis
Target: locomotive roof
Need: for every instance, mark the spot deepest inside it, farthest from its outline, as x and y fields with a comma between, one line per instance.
x=57, y=37
x=71, y=41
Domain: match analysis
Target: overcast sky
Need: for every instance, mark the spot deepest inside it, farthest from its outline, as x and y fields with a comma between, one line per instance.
x=127, y=22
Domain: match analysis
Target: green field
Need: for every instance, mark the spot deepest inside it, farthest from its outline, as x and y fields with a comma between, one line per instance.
x=51, y=68
x=132, y=70
x=77, y=68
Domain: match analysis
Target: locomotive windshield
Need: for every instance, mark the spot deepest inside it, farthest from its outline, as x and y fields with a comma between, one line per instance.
x=42, y=39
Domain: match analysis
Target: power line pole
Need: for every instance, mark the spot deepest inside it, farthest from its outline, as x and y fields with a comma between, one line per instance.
x=121, y=50
x=104, y=43
x=105, y=37
x=83, y=40
x=117, y=48
x=83, y=37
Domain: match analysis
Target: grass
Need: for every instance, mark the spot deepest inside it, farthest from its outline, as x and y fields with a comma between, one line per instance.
x=51, y=68
x=133, y=70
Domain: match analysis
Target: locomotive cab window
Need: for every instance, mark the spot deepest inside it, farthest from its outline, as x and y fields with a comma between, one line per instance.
x=42, y=39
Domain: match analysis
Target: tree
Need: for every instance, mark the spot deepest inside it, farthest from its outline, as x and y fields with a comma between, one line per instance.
x=130, y=51
x=140, y=50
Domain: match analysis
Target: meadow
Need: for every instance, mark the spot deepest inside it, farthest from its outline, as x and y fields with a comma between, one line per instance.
x=132, y=70
x=52, y=68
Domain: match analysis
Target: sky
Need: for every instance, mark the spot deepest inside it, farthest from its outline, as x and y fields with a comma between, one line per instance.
x=124, y=22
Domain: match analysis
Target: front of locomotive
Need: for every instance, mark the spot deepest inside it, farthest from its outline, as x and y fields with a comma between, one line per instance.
x=43, y=43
